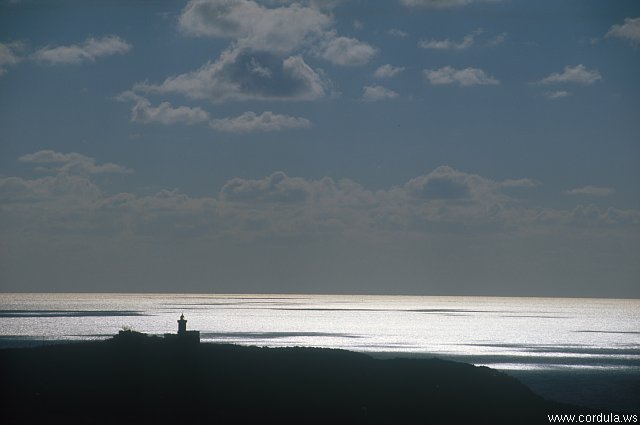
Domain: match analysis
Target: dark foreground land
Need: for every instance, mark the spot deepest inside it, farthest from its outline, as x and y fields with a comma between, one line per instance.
x=148, y=380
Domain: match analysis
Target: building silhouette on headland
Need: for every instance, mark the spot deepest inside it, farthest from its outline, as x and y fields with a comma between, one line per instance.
x=183, y=336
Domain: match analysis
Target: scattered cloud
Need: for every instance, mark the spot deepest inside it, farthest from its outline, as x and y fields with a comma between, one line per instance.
x=440, y=4
x=582, y=216
x=467, y=41
x=395, y=32
x=143, y=112
x=265, y=58
x=388, y=71
x=497, y=40
x=278, y=187
x=9, y=55
x=448, y=195
x=63, y=189
x=578, y=74
x=375, y=93
x=591, y=191
x=345, y=51
x=239, y=75
x=443, y=183
x=250, y=122
x=558, y=94
x=73, y=163
x=446, y=44
x=445, y=195
x=90, y=50
x=443, y=201
x=629, y=31
x=447, y=183
x=464, y=77
x=518, y=183
x=253, y=26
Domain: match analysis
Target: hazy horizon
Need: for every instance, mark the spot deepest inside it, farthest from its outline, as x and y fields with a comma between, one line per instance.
x=306, y=294
x=404, y=147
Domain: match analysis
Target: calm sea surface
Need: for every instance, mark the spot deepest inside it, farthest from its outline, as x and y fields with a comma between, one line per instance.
x=504, y=333
x=582, y=351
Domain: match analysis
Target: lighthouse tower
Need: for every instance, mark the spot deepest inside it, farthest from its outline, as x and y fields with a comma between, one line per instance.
x=183, y=336
x=182, y=325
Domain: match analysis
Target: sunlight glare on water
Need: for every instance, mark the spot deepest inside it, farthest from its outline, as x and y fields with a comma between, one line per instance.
x=507, y=333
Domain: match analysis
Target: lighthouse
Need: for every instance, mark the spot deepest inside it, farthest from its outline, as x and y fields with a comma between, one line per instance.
x=182, y=325
x=183, y=337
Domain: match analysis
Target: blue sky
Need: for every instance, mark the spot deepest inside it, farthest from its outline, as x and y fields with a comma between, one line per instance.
x=406, y=146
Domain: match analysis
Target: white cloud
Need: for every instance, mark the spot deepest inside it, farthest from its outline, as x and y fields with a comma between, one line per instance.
x=464, y=77
x=250, y=122
x=591, y=216
x=446, y=44
x=278, y=187
x=578, y=74
x=280, y=30
x=375, y=93
x=497, y=40
x=246, y=75
x=89, y=50
x=166, y=114
x=9, y=56
x=629, y=30
x=582, y=216
x=263, y=34
x=448, y=195
x=591, y=191
x=395, y=32
x=467, y=41
x=281, y=206
x=448, y=184
x=106, y=46
x=443, y=201
x=312, y=83
x=440, y=4
x=388, y=71
x=443, y=196
x=517, y=183
x=558, y=94
x=143, y=112
x=345, y=51
x=73, y=162
x=69, y=205
x=456, y=215
x=168, y=212
x=63, y=189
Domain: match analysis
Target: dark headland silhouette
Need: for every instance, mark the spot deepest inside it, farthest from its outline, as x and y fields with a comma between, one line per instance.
x=134, y=378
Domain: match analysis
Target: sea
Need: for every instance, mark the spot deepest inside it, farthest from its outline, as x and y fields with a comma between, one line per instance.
x=579, y=350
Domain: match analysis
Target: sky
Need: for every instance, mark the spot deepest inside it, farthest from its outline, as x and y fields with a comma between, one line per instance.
x=424, y=147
